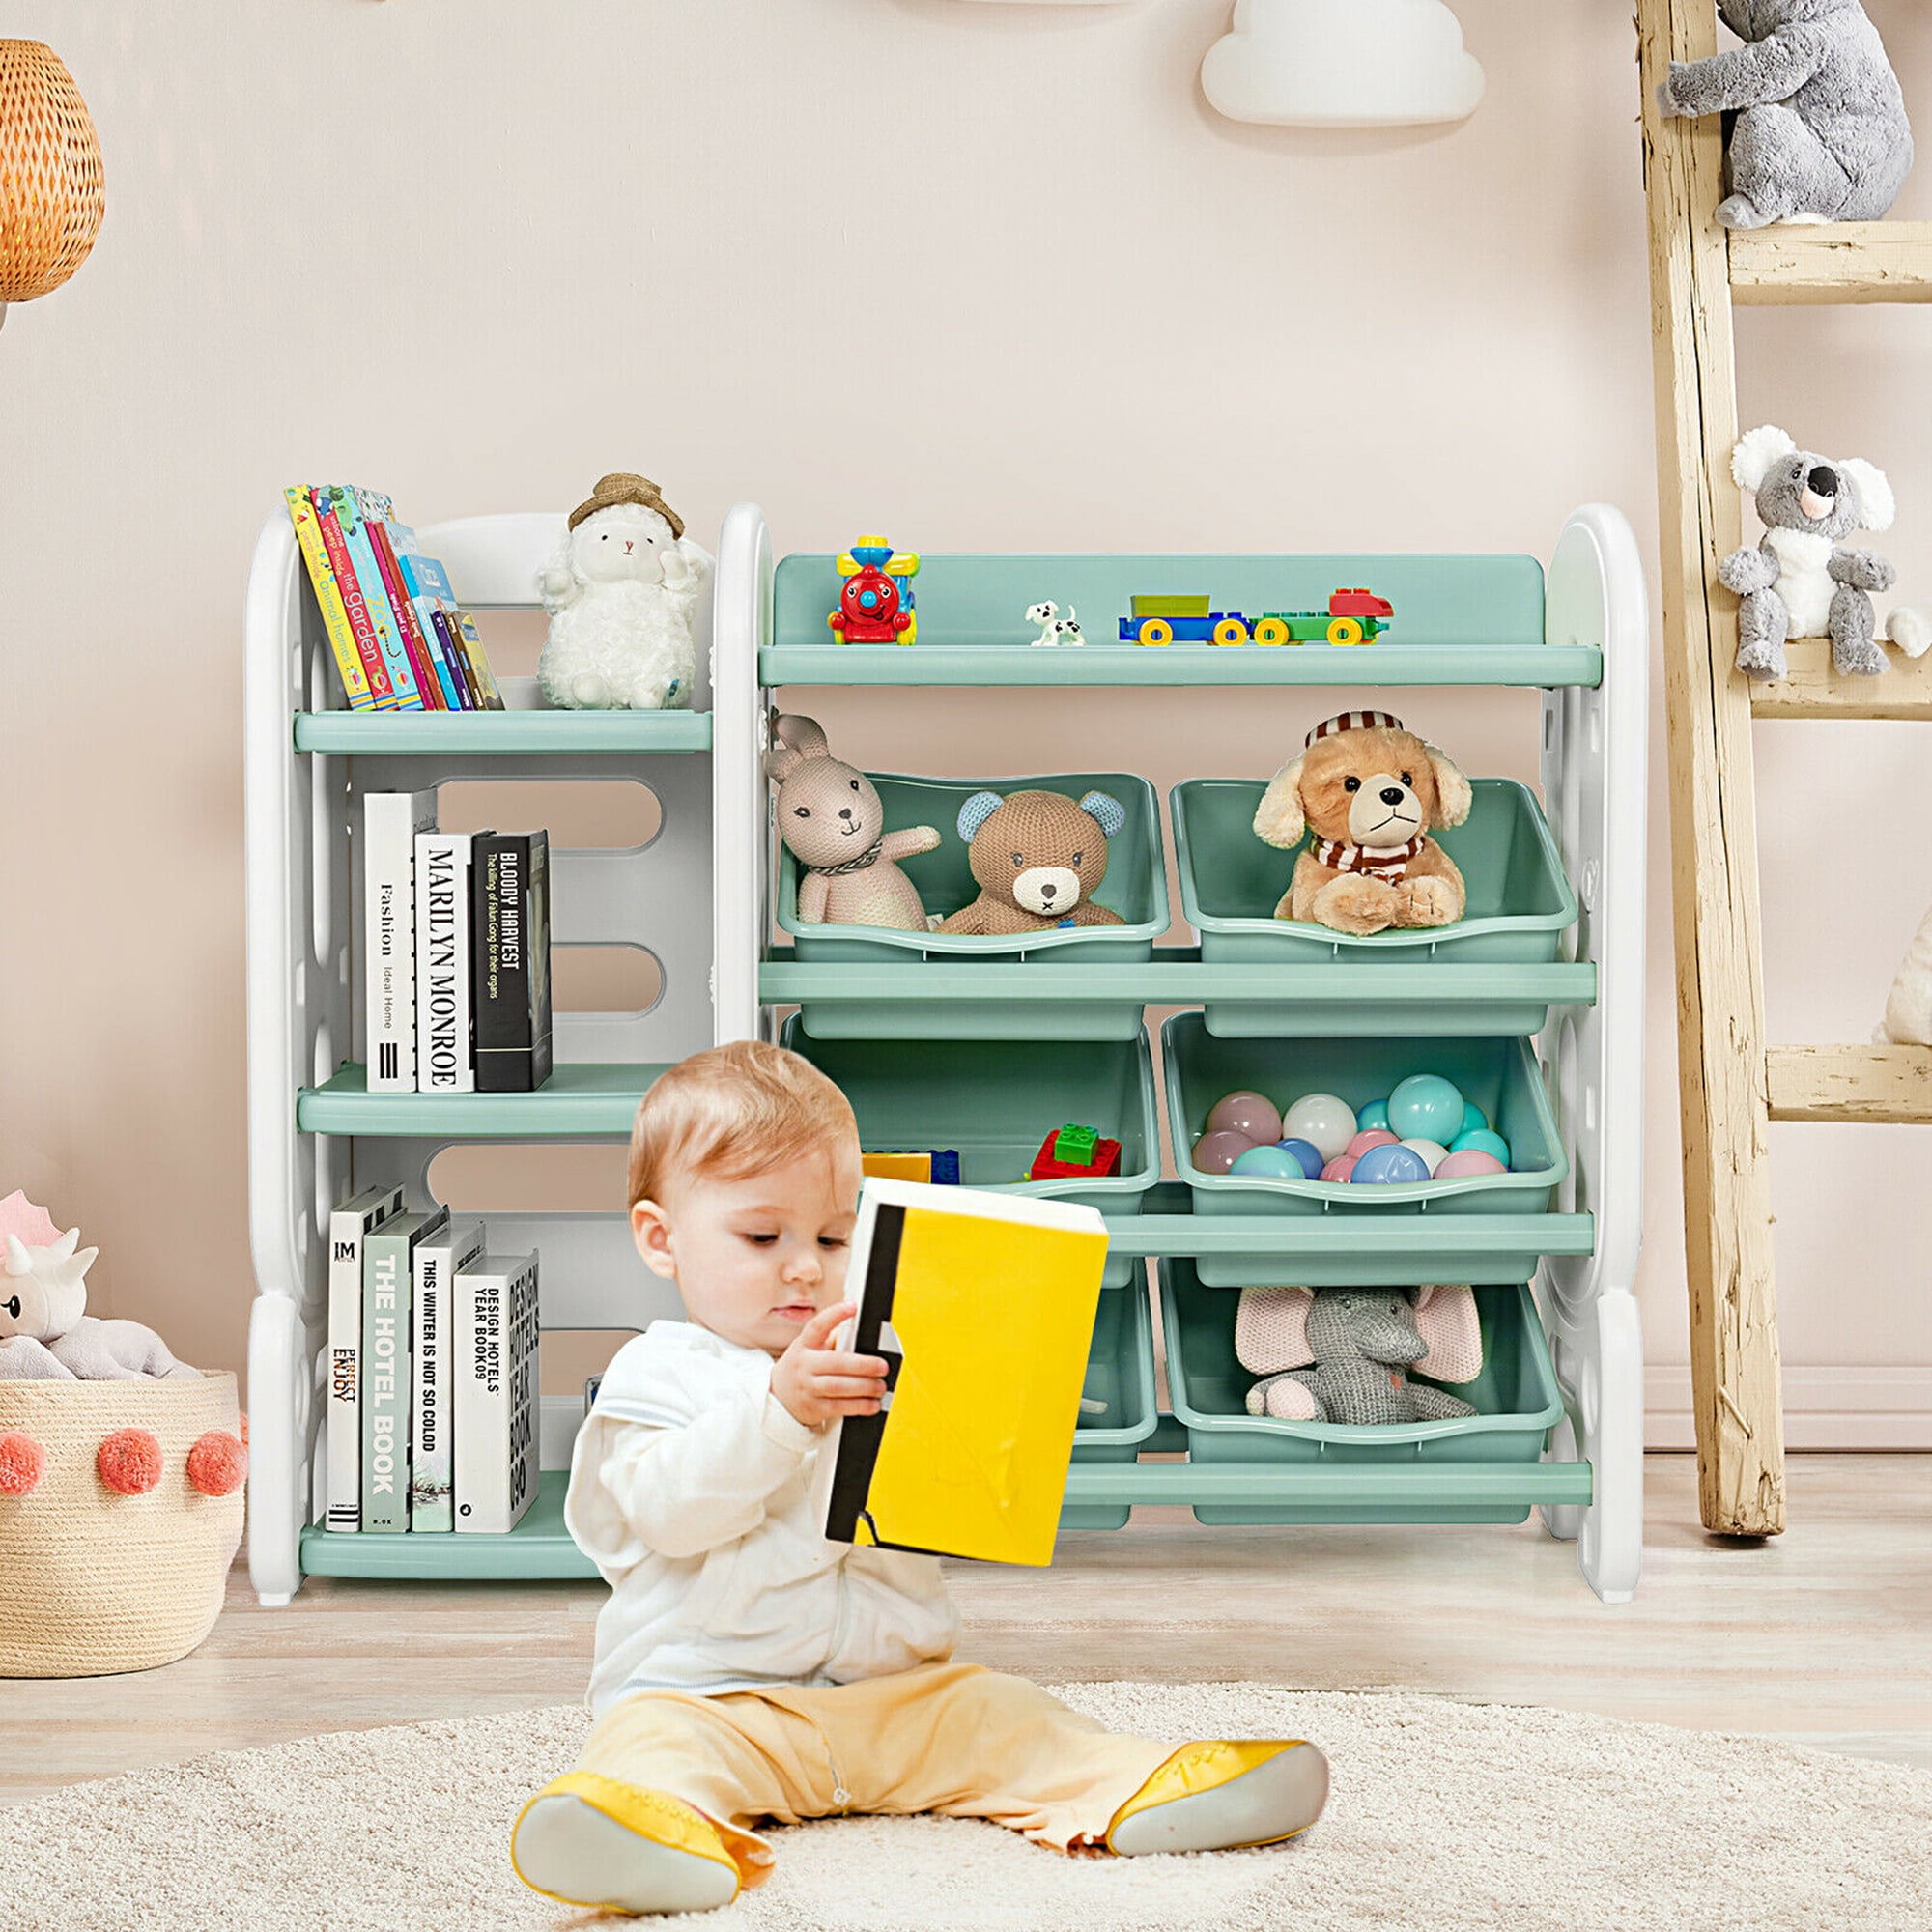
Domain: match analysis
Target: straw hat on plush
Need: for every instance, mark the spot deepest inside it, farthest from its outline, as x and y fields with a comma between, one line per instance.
x=50, y=175
x=621, y=485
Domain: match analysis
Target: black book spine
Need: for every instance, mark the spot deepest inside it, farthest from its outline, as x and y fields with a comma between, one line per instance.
x=510, y=925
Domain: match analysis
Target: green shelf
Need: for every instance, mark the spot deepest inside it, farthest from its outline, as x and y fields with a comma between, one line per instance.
x=1470, y=1485
x=579, y=1099
x=498, y=733
x=538, y=1547
x=1542, y=665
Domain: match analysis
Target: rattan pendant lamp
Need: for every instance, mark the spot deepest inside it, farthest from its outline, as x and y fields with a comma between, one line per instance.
x=50, y=175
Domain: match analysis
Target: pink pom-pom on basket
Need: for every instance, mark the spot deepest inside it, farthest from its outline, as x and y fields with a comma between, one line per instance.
x=23, y=1463
x=129, y=1461
x=216, y=1464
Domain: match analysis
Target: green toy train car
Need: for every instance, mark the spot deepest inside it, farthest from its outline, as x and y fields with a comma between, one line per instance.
x=1357, y=616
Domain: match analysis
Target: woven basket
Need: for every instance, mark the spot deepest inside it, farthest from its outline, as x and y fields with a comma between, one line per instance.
x=92, y=1581
x=50, y=175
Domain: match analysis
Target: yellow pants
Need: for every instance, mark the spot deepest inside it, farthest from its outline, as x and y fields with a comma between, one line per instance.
x=951, y=1738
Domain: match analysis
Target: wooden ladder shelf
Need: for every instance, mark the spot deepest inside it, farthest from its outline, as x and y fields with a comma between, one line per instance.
x=1732, y=1085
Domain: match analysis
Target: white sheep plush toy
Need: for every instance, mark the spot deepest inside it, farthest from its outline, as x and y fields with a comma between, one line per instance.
x=620, y=592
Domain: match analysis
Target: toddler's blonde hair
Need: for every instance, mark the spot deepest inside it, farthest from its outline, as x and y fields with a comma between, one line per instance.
x=730, y=1112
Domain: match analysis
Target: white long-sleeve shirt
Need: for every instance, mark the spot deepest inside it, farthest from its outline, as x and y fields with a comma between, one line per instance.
x=690, y=1489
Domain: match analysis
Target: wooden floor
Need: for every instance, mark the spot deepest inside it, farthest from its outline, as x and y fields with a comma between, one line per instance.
x=1822, y=1637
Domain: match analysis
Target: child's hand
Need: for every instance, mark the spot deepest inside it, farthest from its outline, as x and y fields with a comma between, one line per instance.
x=815, y=1383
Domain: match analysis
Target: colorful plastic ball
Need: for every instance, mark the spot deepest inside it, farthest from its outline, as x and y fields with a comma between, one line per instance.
x=1251, y=1115
x=1217, y=1152
x=1482, y=1142
x=1273, y=1163
x=1466, y=1161
x=129, y=1461
x=1392, y=1165
x=1340, y=1168
x=1427, y=1105
x=22, y=1463
x=1307, y=1153
x=1325, y=1118
x=1474, y=1120
x=1375, y=1115
x=1369, y=1137
x=1433, y=1154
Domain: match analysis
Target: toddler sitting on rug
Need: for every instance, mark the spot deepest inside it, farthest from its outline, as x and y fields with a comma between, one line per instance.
x=746, y=1667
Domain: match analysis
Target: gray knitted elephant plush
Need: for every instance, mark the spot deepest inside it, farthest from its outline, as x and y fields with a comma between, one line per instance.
x=1361, y=1343
x=1817, y=129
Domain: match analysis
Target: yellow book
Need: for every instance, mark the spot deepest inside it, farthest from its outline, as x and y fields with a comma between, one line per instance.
x=328, y=598
x=983, y=1306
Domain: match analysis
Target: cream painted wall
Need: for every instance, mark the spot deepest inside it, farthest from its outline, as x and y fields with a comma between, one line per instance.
x=988, y=276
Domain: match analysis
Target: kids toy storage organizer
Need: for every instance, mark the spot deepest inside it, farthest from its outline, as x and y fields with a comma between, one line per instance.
x=1533, y=1002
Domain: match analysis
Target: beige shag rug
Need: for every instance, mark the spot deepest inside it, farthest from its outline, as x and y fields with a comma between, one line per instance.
x=1444, y=1816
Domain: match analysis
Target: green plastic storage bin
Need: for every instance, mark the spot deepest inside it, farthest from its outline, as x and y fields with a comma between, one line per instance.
x=1517, y=1395
x=1520, y=906
x=1500, y=1075
x=996, y=1100
x=1120, y=1373
x=1135, y=887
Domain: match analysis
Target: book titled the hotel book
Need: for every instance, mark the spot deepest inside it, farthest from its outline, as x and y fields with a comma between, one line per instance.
x=510, y=955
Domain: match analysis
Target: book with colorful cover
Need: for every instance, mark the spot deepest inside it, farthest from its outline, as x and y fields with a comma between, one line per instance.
x=427, y=585
x=479, y=659
x=369, y=579
x=969, y=1455
x=494, y=1333
x=439, y=1257
x=425, y=660
x=388, y=1293
x=347, y=1226
x=328, y=601
x=356, y=605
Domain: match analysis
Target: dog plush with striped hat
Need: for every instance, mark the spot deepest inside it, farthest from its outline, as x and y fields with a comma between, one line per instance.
x=1369, y=792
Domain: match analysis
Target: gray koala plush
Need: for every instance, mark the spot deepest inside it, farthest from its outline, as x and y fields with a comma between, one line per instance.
x=1363, y=1340
x=1798, y=582
x=1820, y=131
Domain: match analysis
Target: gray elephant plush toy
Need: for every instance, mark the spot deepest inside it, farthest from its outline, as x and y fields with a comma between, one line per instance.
x=1820, y=131
x=1362, y=1342
x=1798, y=582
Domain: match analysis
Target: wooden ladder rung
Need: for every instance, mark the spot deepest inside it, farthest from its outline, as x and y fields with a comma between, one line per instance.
x=1835, y=262
x=1886, y=1085
x=1814, y=689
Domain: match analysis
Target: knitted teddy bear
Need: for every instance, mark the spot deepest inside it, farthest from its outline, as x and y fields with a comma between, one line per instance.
x=1362, y=1342
x=1038, y=856
x=1370, y=790
x=620, y=590
x=1798, y=582
x=45, y=1333
x=833, y=822
x=1820, y=131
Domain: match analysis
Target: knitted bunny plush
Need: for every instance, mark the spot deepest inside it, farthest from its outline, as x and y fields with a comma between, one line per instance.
x=1038, y=858
x=45, y=1333
x=833, y=822
x=1361, y=1343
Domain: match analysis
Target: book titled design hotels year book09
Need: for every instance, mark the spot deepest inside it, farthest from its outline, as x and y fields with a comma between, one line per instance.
x=968, y=1457
x=432, y=1471
x=388, y=1276
x=509, y=896
x=494, y=1330
x=347, y=1226
x=391, y=823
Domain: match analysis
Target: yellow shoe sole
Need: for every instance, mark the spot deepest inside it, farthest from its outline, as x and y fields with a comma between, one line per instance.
x=1274, y=1799
x=594, y=1841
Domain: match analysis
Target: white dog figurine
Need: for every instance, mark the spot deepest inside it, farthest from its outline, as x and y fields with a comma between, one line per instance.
x=1054, y=629
x=620, y=591
x=46, y=1334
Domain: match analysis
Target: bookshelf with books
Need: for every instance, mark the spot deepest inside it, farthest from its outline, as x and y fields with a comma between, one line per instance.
x=340, y=1162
